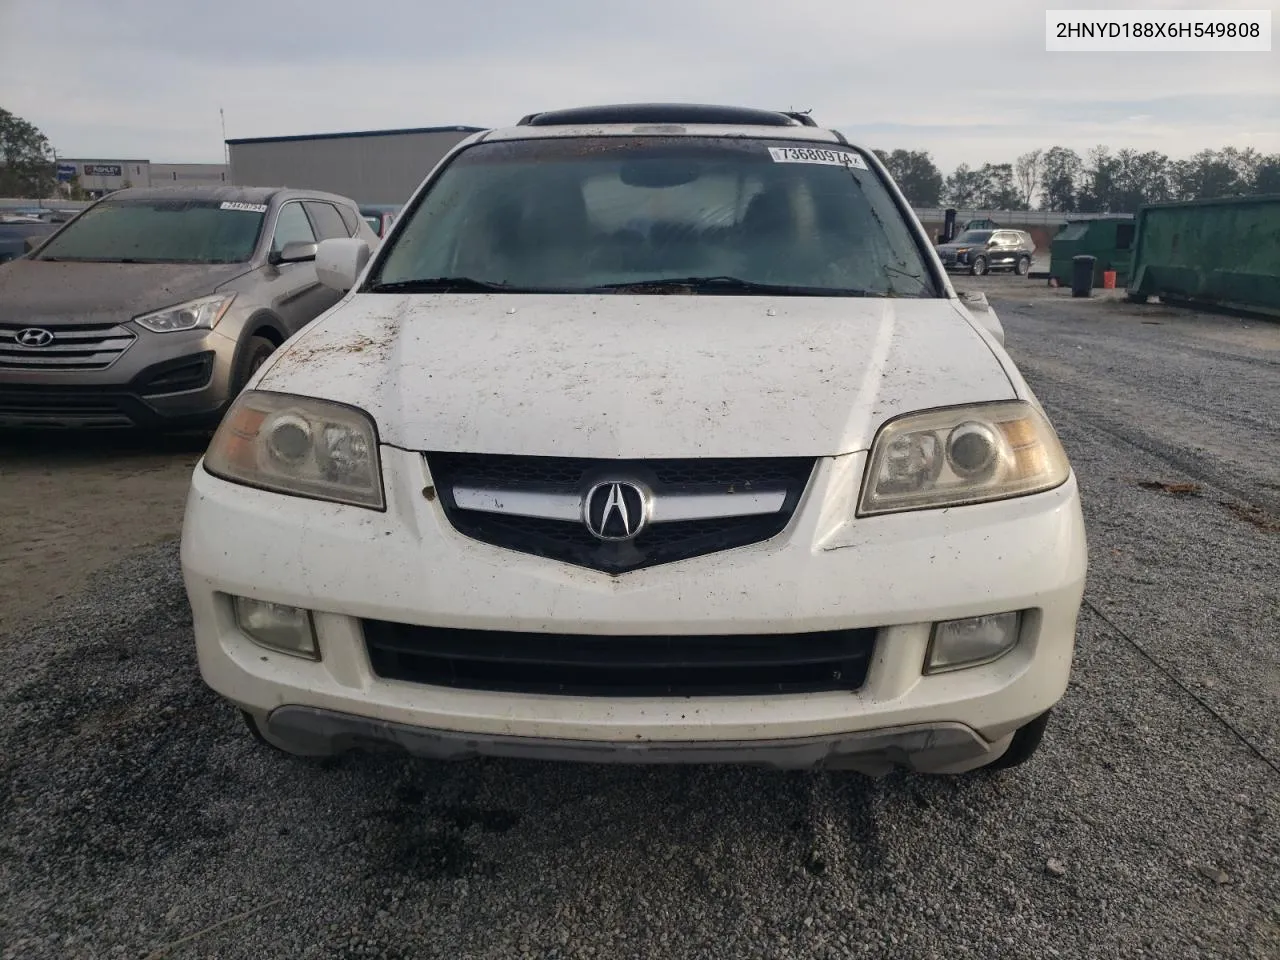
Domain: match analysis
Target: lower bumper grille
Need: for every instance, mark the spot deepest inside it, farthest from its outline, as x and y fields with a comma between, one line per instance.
x=53, y=409
x=129, y=404
x=659, y=665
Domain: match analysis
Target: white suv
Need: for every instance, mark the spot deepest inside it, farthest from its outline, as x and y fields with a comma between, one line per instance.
x=650, y=433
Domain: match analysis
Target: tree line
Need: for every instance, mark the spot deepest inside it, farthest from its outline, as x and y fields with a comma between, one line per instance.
x=1054, y=179
x=1101, y=182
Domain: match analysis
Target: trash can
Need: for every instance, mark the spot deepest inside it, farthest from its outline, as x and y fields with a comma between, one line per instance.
x=1082, y=275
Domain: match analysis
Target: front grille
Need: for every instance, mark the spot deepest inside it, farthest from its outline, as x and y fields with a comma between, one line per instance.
x=660, y=665
x=571, y=542
x=82, y=346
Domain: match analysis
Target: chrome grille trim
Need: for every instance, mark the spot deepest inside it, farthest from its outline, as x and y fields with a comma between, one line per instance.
x=78, y=347
x=668, y=508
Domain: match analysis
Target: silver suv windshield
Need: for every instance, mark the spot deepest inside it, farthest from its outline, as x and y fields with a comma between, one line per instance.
x=656, y=214
x=160, y=231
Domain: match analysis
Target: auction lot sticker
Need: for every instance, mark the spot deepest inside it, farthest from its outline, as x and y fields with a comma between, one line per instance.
x=836, y=158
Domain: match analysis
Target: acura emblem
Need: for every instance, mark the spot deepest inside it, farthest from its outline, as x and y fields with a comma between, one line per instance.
x=616, y=510
x=34, y=337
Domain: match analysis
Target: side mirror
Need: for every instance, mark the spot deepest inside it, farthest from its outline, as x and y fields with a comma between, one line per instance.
x=31, y=243
x=340, y=261
x=296, y=252
x=980, y=309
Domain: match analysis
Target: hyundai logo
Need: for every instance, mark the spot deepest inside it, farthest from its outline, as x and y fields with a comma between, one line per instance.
x=34, y=337
x=616, y=510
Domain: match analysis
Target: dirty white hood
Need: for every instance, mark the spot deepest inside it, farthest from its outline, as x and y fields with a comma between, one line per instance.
x=638, y=376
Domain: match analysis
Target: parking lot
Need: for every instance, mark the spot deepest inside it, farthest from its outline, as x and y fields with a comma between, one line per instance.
x=138, y=819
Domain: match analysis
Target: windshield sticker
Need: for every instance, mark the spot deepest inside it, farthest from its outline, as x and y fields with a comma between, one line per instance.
x=250, y=207
x=837, y=158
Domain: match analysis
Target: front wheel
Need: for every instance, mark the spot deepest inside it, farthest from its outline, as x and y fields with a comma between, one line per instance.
x=252, y=357
x=255, y=725
x=1023, y=266
x=1026, y=740
x=979, y=267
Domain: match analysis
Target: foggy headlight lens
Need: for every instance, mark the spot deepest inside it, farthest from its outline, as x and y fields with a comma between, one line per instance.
x=962, y=455
x=301, y=446
x=970, y=642
x=279, y=627
x=972, y=450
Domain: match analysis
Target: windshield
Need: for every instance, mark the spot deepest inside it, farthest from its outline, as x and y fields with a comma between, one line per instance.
x=973, y=236
x=590, y=213
x=160, y=231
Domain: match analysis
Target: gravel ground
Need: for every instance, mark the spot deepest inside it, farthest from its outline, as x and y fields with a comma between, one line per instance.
x=138, y=819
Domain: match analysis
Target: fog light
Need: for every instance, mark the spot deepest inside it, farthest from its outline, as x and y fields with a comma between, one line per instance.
x=967, y=643
x=278, y=627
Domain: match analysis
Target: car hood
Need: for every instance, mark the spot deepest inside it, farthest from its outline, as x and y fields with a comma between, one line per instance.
x=614, y=376
x=49, y=294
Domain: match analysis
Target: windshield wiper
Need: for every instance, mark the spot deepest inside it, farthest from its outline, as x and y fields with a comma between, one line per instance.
x=101, y=260
x=443, y=285
x=727, y=285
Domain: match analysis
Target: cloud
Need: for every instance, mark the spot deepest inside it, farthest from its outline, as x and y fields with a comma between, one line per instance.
x=145, y=78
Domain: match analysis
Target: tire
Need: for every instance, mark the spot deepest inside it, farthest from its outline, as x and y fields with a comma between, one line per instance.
x=1026, y=740
x=253, y=356
x=979, y=268
x=1023, y=266
x=251, y=722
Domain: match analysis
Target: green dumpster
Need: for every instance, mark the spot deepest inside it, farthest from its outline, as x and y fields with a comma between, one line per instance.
x=1217, y=253
x=1109, y=240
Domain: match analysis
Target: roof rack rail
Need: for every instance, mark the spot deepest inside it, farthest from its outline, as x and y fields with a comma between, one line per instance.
x=802, y=117
x=674, y=113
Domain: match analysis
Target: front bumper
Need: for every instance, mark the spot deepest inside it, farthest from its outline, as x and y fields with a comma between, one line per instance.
x=162, y=380
x=826, y=571
x=936, y=748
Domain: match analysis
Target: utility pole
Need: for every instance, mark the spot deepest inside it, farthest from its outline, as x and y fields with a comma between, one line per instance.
x=226, y=150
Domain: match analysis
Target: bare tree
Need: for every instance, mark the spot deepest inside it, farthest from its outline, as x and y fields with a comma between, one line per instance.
x=1027, y=171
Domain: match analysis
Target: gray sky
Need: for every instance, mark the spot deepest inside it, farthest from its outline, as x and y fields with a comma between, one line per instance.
x=971, y=83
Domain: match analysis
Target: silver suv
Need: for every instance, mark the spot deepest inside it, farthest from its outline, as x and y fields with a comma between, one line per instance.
x=154, y=306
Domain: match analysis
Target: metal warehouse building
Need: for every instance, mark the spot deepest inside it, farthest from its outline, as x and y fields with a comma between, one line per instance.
x=372, y=166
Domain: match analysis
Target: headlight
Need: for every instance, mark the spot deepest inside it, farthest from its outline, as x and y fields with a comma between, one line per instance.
x=960, y=455
x=200, y=314
x=298, y=445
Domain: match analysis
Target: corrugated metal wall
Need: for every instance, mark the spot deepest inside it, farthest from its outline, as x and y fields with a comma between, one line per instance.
x=1216, y=252
x=189, y=174
x=376, y=168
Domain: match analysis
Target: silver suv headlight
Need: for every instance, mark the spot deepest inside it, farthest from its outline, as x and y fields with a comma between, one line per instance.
x=301, y=446
x=960, y=455
x=201, y=314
